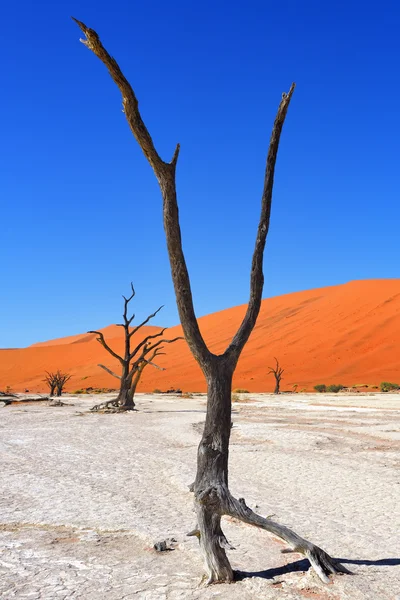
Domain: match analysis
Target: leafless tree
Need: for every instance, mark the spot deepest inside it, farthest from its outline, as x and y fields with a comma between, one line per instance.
x=212, y=496
x=51, y=380
x=277, y=371
x=56, y=381
x=134, y=360
x=61, y=380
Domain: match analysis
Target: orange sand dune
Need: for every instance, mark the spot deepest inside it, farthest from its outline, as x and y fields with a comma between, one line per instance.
x=347, y=334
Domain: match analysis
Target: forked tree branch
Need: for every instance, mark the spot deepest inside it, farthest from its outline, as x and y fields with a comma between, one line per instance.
x=136, y=373
x=165, y=342
x=129, y=100
x=127, y=321
x=107, y=347
x=135, y=329
x=257, y=276
x=141, y=361
x=145, y=341
x=165, y=173
x=149, y=360
x=277, y=370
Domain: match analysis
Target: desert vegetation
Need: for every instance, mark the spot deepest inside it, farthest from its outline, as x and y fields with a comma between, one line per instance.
x=211, y=490
x=386, y=386
x=320, y=387
x=333, y=388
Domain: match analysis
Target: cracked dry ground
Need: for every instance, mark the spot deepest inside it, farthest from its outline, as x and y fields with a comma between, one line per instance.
x=84, y=497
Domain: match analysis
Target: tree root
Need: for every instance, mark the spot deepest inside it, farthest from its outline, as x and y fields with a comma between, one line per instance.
x=323, y=564
x=105, y=405
x=211, y=504
x=56, y=402
x=111, y=406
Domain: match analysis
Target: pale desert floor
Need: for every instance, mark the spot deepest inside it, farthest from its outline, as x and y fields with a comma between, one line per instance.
x=85, y=496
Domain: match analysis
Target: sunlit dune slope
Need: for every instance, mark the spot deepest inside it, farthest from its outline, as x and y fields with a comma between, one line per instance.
x=347, y=334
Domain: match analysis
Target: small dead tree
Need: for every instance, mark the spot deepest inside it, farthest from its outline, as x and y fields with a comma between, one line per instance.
x=56, y=381
x=134, y=361
x=51, y=380
x=277, y=372
x=61, y=380
x=211, y=491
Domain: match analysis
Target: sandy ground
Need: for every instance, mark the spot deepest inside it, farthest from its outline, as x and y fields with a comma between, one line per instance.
x=85, y=496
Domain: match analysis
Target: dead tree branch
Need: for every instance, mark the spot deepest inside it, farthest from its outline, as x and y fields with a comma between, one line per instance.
x=109, y=371
x=165, y=173
x=277, y=371
x=103, y=342
x=136, y=329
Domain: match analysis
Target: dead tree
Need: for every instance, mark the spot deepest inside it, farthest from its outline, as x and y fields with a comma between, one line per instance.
x=56, y=381
x=62, y=379
x=211, y=492
x=51, y=380
x=277, y=371
x=133, y=361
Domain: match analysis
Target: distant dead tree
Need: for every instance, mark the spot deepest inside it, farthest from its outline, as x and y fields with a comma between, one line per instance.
x=51, y=380
x=134, y=361
x=56, y=381
x=277, y=371
x=212, y=496
x=62, y=379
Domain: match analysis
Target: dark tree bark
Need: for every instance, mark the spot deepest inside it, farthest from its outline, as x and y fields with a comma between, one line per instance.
x=125, y=397
x=56, y=381
x=133, y=361
x=277, y=372
x=61, y=380
x=212, y=496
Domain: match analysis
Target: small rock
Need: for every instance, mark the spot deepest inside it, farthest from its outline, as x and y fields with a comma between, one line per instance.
x=165, y=545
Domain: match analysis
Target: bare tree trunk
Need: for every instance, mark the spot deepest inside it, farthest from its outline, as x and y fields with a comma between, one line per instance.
x=125, y=399
x=135, y=380
x=211, y=484
x=126, y=394
x=277, y=387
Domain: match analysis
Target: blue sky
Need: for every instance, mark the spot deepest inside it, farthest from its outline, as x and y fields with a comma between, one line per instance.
x=81, y=211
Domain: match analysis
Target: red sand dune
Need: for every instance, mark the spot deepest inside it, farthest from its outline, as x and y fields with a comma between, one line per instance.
x=348, y=334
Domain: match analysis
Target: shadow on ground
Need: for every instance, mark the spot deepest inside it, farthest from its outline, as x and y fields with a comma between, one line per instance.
x=304, y=565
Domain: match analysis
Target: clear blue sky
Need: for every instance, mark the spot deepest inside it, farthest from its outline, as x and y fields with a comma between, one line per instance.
x=80, y=208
